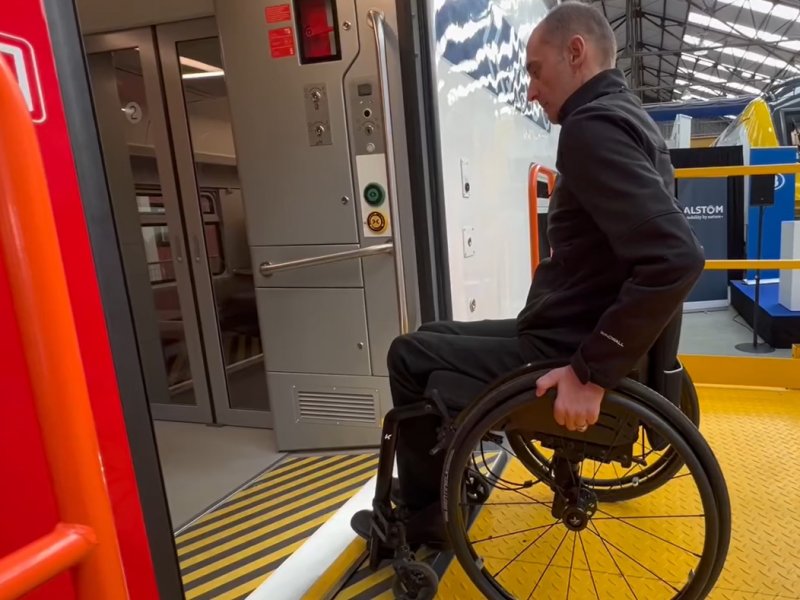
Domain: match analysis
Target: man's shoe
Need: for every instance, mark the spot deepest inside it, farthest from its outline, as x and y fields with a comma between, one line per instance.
x=361, y=522
x=423, y=527
x=426, y=526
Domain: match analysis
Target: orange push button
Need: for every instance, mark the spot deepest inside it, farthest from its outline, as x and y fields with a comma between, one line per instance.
x=376, y=222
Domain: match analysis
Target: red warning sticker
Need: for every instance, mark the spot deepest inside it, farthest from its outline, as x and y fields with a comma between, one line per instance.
x=278, y=14
x=281, y=42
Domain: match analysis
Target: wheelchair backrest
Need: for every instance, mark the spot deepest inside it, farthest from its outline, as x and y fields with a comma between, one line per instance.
x=664, y=373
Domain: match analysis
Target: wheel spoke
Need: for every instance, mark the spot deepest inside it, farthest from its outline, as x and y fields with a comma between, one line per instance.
x=505, y=535
x=610, y=517
x=629, y=471
x=498, y=503
x=547, y=566
x=534, y=500
x=589, y=566
x=645, y=567
x=521, y=552
x=614, y=560
x=571, y=562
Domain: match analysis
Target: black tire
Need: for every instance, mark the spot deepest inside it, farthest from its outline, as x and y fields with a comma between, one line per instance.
x=651, y=409
x=629, y=486
x=415, y=581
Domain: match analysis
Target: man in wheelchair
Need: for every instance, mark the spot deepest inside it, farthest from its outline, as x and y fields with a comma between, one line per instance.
x=623, y=260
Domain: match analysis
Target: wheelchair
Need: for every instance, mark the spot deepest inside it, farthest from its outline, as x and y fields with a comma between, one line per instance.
x=526, y=502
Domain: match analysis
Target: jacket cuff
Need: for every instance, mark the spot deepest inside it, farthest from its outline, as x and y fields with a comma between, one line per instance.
x=580, y=367
x=587, y=375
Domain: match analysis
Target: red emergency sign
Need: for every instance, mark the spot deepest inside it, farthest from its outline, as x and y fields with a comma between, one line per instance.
x=20, y=58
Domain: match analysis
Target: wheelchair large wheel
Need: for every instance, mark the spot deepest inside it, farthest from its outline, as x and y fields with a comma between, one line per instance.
x=555, y=538
x=651, y=469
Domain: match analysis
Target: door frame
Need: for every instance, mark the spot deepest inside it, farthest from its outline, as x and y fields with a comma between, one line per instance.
x=120, y=181
x=158, y=550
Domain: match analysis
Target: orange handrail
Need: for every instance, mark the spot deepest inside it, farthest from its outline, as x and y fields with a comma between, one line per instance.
x=29, y=246
x=24, y=570
x=533, y=207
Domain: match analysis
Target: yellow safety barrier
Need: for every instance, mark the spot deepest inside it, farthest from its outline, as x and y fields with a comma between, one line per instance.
x=736, y=171
x=744, y=370
x=755, y=265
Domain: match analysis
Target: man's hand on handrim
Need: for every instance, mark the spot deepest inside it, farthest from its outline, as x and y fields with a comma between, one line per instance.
x=577, y=405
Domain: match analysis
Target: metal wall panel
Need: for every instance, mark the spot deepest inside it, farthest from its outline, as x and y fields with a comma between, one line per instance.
x=381, y=297
x=307, y=434
x=295, y=188
x=314, y=330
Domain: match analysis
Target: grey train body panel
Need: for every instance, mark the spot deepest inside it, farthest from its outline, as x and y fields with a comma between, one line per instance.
x=311, y=145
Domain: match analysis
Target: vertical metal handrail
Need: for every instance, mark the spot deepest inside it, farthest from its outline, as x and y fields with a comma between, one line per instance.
x=533, y=207
x=378, y=24
x=29, y=246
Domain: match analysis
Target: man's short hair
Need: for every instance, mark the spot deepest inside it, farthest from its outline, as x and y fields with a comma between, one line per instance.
x=577, y=18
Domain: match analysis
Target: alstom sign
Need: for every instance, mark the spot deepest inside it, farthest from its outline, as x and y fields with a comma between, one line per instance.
x=710, y=209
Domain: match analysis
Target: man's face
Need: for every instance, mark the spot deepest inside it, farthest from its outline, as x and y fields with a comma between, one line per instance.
x=553, y=73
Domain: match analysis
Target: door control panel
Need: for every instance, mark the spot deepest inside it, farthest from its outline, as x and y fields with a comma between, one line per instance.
x=366, y=122
x=317, y=119
x=366, y=117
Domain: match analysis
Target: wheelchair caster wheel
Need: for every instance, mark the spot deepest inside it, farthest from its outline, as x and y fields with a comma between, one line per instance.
x=415, y=581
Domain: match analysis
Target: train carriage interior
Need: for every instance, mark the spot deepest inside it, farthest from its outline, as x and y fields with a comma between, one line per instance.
x=247, y=202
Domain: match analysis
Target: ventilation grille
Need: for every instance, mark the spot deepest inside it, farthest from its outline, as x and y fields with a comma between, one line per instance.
x=336, y=407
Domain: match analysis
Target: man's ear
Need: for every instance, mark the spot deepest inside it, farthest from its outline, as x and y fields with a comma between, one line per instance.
x=576, y=50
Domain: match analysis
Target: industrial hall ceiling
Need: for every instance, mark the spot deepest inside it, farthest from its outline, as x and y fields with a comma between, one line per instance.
x=674, y=50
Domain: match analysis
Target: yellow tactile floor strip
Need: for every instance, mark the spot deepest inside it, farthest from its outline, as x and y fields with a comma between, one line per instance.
x=228, y=552
x=755, y=434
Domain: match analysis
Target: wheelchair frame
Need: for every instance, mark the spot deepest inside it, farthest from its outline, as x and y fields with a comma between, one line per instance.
x=388, y=530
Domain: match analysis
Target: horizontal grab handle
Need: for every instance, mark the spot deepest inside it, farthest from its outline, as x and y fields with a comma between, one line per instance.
x=268, y=268
x=736, y=171
x=758, y=265
x=41, y=560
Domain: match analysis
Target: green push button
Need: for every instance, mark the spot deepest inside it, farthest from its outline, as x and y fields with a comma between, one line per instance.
x=374, y=194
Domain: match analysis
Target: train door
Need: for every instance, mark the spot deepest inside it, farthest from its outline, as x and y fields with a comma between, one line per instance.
x=318, y=118
x=260, y=173
x=177, y=203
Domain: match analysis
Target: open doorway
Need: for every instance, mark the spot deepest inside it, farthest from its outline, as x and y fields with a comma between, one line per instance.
x=162, y=112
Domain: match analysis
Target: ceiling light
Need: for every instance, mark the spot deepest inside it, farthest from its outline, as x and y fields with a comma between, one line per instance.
x=203, y=75
x=756, y=57
x=767, y=8
x=196, y=64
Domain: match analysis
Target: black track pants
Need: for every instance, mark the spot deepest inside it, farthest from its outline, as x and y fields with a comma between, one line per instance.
x=484, y=350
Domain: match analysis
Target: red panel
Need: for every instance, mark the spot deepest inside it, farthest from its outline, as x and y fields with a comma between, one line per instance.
x=27, y=505
x=26, y=21
x=278, y=14
x=281, y=42
x=315, y=28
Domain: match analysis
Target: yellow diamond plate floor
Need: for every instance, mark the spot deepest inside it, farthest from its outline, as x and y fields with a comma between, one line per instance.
x=756, y=436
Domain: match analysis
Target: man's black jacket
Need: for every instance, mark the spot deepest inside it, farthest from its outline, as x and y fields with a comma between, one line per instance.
x=624, y=257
